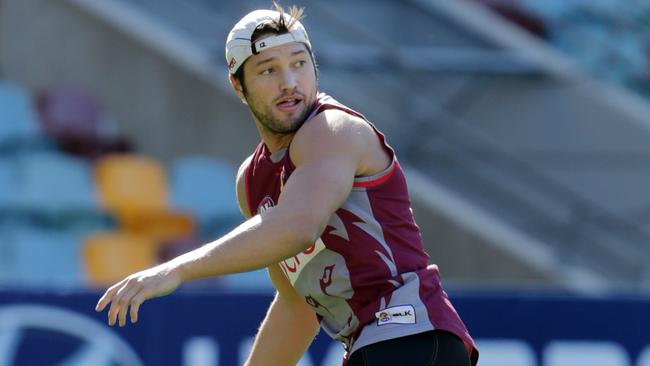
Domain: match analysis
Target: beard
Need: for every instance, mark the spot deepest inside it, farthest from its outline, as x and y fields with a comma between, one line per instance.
x=264, y=114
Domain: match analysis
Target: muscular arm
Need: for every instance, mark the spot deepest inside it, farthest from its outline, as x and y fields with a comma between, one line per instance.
x=328, y=152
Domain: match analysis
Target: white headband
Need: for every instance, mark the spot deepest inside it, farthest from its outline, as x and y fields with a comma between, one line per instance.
x=239, y=46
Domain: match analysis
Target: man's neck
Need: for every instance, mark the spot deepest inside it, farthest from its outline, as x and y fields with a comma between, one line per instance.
x=274, y=141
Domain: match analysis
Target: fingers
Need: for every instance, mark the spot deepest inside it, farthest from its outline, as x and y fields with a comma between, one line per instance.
x=120, y=302
x=108, y=296
x=135, y=306
x=125, y=302
x=131, y=292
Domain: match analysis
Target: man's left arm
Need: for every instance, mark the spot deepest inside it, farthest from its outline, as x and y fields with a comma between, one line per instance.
x=327, y=154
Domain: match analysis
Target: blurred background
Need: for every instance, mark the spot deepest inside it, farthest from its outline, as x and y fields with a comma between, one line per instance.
x=523, y=126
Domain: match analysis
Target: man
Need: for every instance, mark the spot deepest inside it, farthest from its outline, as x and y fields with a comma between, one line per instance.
x=327, y=212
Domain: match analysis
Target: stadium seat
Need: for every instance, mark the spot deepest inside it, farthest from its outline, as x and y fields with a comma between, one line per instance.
x=7, y=185
x=18, y=126
x=69, y=111
x=76, y=120
x=135, y=189
x=39, y=257
x=205, y=188
x=55, y=186
x=110, y=256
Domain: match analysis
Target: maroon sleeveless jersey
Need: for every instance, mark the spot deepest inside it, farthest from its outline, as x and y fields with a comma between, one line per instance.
x=366, y=277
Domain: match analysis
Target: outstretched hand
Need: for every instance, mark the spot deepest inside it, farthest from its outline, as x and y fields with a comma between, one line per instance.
x=132, y=291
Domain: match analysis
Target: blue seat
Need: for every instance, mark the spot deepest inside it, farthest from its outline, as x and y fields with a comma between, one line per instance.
x=54, y=186
x=18, y=123
x=32, y=256
x=7, y=185
x=205, y=188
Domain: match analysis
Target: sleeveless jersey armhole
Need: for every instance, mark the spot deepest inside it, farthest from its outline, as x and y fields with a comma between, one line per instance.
x=247, y=190
x=376, y=179
x=364, y=181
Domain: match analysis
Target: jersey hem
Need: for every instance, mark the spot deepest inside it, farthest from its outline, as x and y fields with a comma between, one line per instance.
x=403, y=333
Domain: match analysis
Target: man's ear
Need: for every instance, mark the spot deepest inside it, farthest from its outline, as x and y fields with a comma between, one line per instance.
x=237, y=87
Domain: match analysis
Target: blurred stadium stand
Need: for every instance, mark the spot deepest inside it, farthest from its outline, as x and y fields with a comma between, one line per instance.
x=526, y=153
x=607, y=38
x=19, y=127
x=525, y=145
x=110, y=256
x=78, y=123
x=205, y=188
x=87, y=217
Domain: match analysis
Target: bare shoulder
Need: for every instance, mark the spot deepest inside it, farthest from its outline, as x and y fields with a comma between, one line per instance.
x=335, y=122
x=335, y=132
x=332, y=128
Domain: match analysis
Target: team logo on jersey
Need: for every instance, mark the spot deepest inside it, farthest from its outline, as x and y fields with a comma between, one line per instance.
x=266, y=204
x=403, y=314
x=383, y=317
x=326, y=280
x=311, y=301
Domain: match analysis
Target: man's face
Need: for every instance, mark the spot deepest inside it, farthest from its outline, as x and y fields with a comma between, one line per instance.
x=280, y=87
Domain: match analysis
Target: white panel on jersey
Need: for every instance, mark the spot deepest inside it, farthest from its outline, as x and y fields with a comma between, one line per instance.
x=505, y=353
x=201, y=351
x=572, y=353
x=293, y=266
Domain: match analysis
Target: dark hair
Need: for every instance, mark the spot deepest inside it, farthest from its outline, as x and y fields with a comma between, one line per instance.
x=277, y=27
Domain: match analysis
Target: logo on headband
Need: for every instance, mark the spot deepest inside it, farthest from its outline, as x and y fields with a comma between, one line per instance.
x=232, y=63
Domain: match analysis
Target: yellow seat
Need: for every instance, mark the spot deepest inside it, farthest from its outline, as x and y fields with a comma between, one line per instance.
x=131, y=185
x=135, y=189
x=111, y=256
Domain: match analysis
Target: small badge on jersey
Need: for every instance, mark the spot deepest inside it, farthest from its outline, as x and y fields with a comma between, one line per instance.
x=403, y=314
x=265, y=205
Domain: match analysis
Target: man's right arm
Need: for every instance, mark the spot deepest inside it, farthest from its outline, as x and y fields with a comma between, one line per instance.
x=288, y=328
x=290, y=324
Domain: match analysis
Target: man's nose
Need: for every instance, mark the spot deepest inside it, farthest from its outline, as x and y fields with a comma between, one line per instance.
x=289, y=81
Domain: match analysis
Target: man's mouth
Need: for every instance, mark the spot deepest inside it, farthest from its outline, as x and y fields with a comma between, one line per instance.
x=289, y=104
